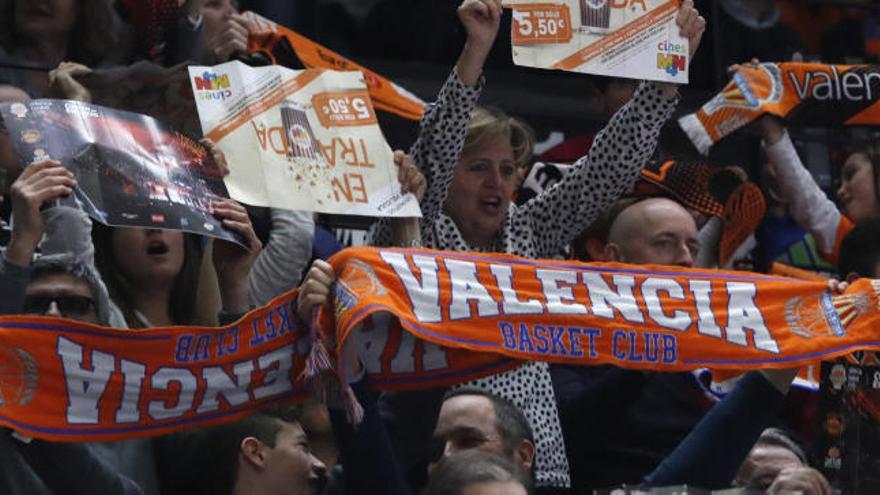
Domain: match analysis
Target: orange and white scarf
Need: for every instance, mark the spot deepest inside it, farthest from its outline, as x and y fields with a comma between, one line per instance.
x=420, y=318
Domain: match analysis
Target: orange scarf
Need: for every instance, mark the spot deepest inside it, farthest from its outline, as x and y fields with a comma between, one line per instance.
x=276, y=42
x=420, y=318
x=807, y=94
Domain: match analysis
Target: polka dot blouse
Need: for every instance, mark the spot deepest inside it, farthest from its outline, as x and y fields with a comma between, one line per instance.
x=539, y=228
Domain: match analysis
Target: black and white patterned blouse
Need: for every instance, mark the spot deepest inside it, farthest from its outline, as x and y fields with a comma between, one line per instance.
x=537, y=229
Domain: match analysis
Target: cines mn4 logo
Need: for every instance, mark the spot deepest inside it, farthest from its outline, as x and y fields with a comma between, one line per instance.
x=212, y=86
x=671, y=57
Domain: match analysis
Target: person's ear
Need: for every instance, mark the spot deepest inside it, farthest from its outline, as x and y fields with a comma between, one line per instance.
x=852, y=277
x=524, y=455
x=613, y=252
x=596, y=250
x=253, y=451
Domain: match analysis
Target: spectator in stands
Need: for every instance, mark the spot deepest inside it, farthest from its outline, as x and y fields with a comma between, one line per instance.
x=655, y=231
x=777, y=463
x=265, y=453
x=860, y=251
x=471, y=418
x=153, y=274
x=627, y=406
x=57, y=285
x=475, y=472
x=471, y=174
x=859, y=192
x=205, y=32
x=43, y=34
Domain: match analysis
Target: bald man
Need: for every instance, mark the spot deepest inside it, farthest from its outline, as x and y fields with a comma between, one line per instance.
x=636, y=418
x=656, y=231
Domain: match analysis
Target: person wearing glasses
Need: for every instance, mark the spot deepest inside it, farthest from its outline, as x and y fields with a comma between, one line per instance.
x=57, y=285
x=62, y=287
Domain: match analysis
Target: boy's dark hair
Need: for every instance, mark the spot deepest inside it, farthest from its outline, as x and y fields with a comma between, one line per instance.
x=860, y=250
x=512, y=424
x=469, y=467
x=205, y=460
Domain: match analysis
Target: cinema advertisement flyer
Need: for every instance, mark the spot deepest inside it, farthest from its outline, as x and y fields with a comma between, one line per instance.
x=635, y=39
x=300, y=140
x=131, y=170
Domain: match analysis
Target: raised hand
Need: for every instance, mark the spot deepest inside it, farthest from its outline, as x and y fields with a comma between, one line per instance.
x=691, y=25
x=481, y=19
x=232, y=262
x=37, y=185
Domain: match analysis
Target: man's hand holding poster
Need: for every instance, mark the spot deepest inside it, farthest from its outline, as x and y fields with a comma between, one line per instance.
x=131, y=170
x=301, y=140
x=625, y=38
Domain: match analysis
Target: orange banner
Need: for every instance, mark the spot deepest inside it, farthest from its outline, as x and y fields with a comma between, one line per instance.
x=645, y=317
x=268, y=37
x=69, y=381
x=801, y=93
x=420, y=318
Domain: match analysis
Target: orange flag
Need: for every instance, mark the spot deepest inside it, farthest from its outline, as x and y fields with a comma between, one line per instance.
x=642, y=317
x=420, y=318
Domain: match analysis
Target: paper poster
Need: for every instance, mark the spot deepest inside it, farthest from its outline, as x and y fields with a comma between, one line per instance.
x=635, y=39
x=131, y=170
x=300, y=139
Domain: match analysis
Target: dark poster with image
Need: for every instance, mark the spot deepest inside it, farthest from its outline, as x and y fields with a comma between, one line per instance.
x=131, y=170
x=847, y=449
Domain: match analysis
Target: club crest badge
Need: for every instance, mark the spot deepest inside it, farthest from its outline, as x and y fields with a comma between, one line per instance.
x=18, y=377
x=356, y=281
x=812, y=316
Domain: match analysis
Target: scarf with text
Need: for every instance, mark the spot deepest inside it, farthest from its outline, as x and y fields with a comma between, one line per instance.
x=416, y=319
x=801, y=93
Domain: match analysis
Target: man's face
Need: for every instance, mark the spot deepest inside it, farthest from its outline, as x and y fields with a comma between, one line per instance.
x=468, y=422
x=62, y=295
x=764, y=464
x=659, y=232
x=290, y=466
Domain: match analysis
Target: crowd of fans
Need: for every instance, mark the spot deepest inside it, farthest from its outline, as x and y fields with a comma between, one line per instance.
x=537, y=428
